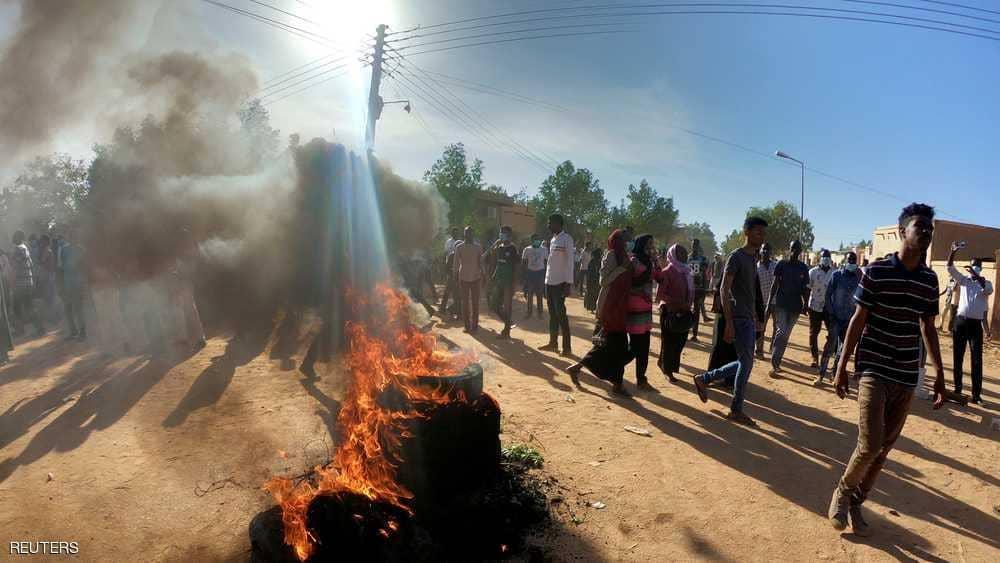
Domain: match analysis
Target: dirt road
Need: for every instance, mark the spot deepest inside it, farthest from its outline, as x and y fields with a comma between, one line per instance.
x=163, y=460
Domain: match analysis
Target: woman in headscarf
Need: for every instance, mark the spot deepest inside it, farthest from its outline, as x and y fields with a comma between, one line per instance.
x=610, y=354
x=639, y=322
x=675, y=296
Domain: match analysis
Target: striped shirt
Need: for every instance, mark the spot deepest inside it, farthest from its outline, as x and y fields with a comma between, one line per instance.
x=896, y=300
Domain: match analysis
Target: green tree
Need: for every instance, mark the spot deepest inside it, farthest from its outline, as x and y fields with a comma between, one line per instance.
x=784, y=226
x=733, y=241
x=703, y=233
x=647, y=211
x=575, y=194
x=46, y=195
x=457, y=182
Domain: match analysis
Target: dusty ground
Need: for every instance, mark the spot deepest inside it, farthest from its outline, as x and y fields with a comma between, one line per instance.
x=162, y=460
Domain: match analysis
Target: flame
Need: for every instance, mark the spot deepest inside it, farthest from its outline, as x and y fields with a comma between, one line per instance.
x=384, y=350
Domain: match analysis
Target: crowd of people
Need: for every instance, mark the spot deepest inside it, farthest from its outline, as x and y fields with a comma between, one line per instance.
x=882, y=313
x=47, y=281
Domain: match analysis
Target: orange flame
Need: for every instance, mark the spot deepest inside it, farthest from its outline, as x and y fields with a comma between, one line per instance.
x=385, y=350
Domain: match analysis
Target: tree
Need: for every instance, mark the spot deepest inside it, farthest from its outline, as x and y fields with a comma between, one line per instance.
x=457, y=182
x=733, y=241
x=703, y=233
x=575, y=194
x=46, y=195
x=783, y=226
x=255, y=122
x=647, y=211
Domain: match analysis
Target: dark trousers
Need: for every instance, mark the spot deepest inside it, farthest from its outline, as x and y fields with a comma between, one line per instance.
x=470, y=303
x=817, y=320
x=638, y=347
x=699, y=311
x=671, y=346
x=451, y=290
x=73, y=306
x=883, y=408
x=504, y=303
x=558, y=321
x=24, y=310
x=968, y=332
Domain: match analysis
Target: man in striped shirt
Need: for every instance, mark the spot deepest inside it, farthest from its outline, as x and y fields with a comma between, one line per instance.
x=897, y=301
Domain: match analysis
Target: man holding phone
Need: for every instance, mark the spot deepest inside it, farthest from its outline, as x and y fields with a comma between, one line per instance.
x=971, y=320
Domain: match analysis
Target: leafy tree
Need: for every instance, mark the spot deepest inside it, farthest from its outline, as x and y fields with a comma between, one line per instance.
x=733, y=241
x=575, y=194
x=703, y=233
x=46, y=195
x=648, y=212
x=457, y=182
x=784, y=226
x=255, y=122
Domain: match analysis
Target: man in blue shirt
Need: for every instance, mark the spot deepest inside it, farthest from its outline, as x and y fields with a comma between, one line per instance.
x=839, y=307
x=789, y=299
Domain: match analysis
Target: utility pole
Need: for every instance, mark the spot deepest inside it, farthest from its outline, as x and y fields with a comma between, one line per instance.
x=374, y=99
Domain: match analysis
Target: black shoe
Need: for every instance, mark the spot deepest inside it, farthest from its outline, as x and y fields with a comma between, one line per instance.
x=645, y=386
x=977, y=400
x=839, y=506
x=574, y=373
x=701, y=388
x=550, y=347
x=566, y=353
x=504, y=335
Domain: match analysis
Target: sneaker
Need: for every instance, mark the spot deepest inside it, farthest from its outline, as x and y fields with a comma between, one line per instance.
x=701, y=388
x=645, y=386
x=671, y=378
x=759, y=354
x=774, y=373
x=550, y=347
x=574, y=373
x=814, y=364
x=858, y=524
x=504, y=335
x=839, y=505
x=818, y=381
x=620, y=391
x=977, y=400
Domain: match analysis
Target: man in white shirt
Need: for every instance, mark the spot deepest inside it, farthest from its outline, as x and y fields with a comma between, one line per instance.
x=534, y=257
x=559, y=284
x=819, y=278
x=469, y=269
x=971, y=321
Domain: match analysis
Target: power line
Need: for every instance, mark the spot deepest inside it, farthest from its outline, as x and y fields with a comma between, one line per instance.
x=309, y=87
x=284, y=26
x=294, y=76
x=496, y=132
x=509, y=32
x=300, y=67
x=737, y=12
x=413, y=111
x=520, y=39
x=487, y=89
x=960, y=6
x=304, y=80
x=418, y=34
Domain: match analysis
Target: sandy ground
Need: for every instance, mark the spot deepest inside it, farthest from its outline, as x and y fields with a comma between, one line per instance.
x=162, y=460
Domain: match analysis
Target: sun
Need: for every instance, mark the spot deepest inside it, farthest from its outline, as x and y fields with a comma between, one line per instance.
x=349, y=24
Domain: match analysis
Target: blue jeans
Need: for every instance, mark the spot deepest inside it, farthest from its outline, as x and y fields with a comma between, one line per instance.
x=739, y=371
x=838, y=333
x=784, y=321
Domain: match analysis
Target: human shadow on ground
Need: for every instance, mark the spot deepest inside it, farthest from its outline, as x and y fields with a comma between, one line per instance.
x=25, y=364
x=789, y=462
x=105, y=396
x=526, y=360
x=209, y=387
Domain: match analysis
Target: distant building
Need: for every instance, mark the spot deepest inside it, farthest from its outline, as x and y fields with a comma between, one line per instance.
x=500, y=210
x=981, y=242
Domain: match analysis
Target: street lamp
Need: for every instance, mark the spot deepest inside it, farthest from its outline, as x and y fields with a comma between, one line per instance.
x=802, y=201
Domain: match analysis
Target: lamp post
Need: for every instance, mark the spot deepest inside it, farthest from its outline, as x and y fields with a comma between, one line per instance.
x=802, y=201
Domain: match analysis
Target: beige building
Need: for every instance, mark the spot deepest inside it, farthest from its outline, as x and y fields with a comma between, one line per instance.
x=500, y=210
x=981, y=242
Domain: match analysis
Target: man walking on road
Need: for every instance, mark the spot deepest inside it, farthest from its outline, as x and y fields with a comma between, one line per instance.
x=534, y=257
x=698, y=265
x=839, y=308
x=897, y=301
x=558, y=284
x=819, y=277
x=971, y=320
x=789, y=295
x=765, y=275
x=738, y=297
x=469, y=269
x=506, y=261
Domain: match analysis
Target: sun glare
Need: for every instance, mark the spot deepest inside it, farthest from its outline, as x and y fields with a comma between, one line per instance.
x=348, y=23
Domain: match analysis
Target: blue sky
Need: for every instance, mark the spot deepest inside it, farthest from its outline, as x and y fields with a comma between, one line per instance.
x=910, y=112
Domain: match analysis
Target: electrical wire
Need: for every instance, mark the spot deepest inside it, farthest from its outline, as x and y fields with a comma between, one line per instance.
x=960, y=6
x=309, y=87
x=548, y=28
x=294, y=30
x=294, y=76
x=300, y=67
x=303, y=81
x=487, y=89
x=438, y=50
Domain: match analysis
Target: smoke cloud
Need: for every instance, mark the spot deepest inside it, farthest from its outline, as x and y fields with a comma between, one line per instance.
x=49, y=70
